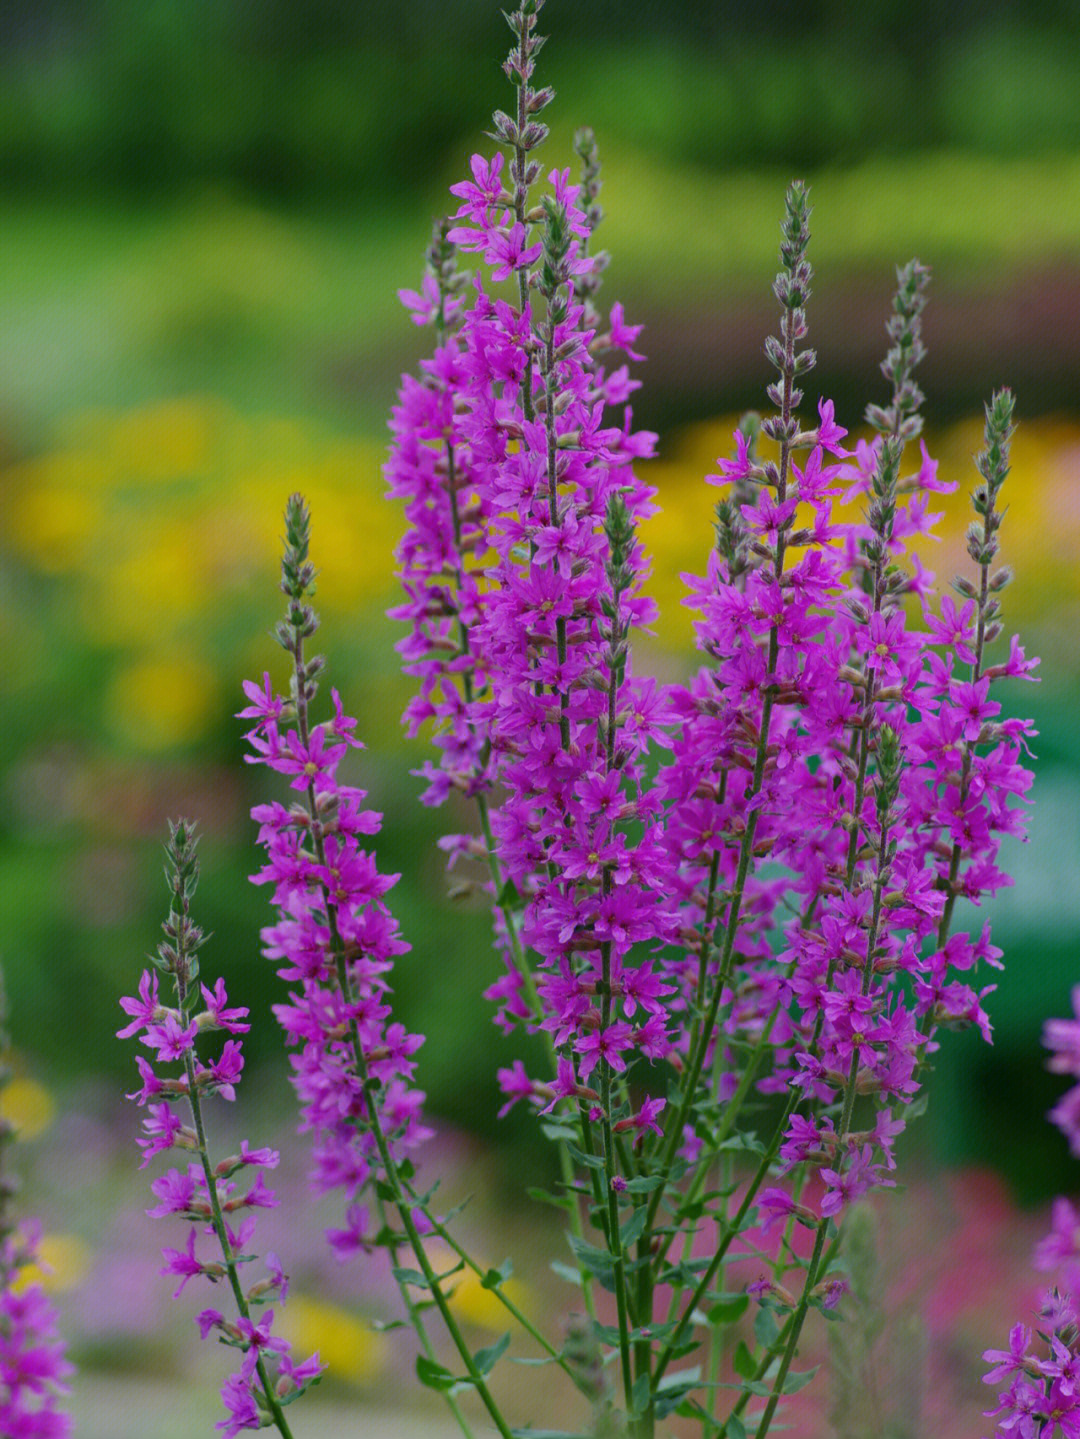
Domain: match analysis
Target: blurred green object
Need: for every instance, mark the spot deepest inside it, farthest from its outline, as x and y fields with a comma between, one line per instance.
x=339, y=101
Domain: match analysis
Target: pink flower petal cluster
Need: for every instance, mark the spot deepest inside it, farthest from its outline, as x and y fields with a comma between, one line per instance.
x=616, y=862
x=518, y=633
x=334, y=941
x=219, y=1199
x=33, y=1367
x=1041, y=1368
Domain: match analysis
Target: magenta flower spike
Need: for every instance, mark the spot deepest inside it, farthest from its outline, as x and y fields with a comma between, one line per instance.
x=1038, y=1376
x=741, y=885
x=335, y=939
x=215, y=1198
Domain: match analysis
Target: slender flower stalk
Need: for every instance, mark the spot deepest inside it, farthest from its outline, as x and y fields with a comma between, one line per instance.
x=209, y=1194
x=353, y=1072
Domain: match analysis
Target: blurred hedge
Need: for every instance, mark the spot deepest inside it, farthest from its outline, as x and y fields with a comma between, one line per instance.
x=337, y=100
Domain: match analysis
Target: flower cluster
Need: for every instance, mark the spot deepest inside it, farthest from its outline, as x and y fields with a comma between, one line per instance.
x=217, y=1199
x=840, y=741
x=712, y=898
x=32, y=1363
x=33, y=1366
x=335, y=939
x=741, y=884
x=529, y=648
x=1041, y=1368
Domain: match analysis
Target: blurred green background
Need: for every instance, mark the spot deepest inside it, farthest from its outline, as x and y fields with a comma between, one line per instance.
x=206, y=213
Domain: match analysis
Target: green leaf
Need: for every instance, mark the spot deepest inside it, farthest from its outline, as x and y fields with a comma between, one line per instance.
x=685, y=1274
x=557, y=1132
x=794, y=1382
x=692, y=1209
x=685, y=1379
x=735, y=1428
x=596, y=1261
x=434, y=1376
x=545, y=1434
x=765, y=1327
x=660, y=1329
x=566, y=1271
x=729, y=1309
x=411, y=1276
x=509, y=897
x=383, y=1326
x=486, y=1359
x=674, y=1388
x=544, y=1196
x=666, y=1404
x=494, y=1277
x=691, y=1409
x=451, y=1214
x=645, y=1184
x=743, y=1361
x=632, y=1230
x=639, y=1395
x=593, y=1161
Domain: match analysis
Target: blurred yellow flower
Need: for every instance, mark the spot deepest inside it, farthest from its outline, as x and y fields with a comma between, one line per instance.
x=157, y=703
x=162, y=526
x=63, y=1262
x=468, y=1298
x=53, y=519
x=28, y=1105
x=479, y=1306
x=350, y=1348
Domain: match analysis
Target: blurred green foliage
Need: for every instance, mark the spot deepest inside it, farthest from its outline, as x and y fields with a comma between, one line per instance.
x=339, y=100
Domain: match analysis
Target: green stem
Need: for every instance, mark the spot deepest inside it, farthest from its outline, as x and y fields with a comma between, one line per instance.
x=760, y=1175
x=416, y=1320
x=508, y=1304
x=218, y=1221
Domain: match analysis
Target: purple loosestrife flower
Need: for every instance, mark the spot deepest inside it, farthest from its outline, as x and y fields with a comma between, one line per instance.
x=33, y=1367
x=768, y=905
x=335, y=939
x=851, y=704
x=202, y=1192
x=837, y=741
x=1043, y=1387
x=548, y=700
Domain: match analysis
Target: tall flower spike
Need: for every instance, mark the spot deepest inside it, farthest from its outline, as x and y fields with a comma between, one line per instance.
x=334, y=939
x=811, y=797
x=208, y=1194
x=33, y=1367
